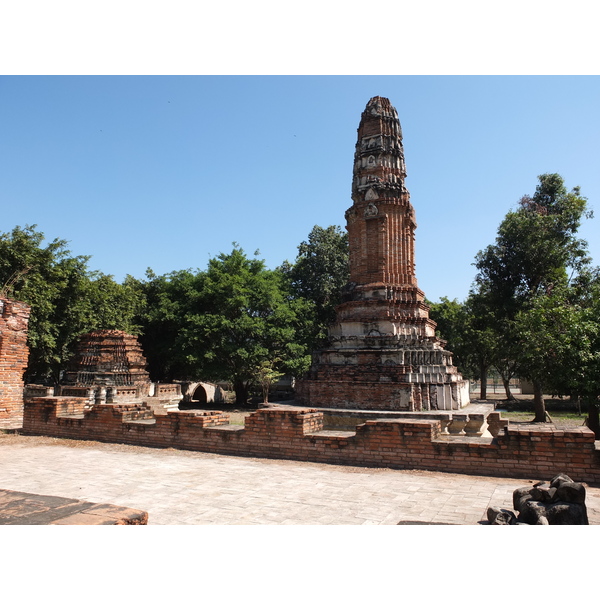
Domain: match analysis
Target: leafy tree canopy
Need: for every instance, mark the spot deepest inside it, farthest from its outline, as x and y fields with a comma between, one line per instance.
x=234, y=322
x=66, y=298
x=536, y=251
x=319, y=275
x=536, y=246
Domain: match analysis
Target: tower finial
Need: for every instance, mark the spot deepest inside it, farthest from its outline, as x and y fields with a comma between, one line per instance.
x=383, y=217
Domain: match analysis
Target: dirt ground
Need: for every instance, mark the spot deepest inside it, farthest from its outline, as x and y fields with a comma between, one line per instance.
x=561, y=415
x=561, y=410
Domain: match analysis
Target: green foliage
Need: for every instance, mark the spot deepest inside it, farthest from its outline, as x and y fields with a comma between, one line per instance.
x=536, y=251
x=228, y=323
x=66, y=299
x=453, y=322
x=535, y=247
x=466, y=328
x=168, y=299
x=559, y=335
x=266, y=375
x=320, y=273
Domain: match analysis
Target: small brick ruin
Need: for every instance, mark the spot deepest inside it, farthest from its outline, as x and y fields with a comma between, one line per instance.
x=14, y=352
x=109, y=367
x=108, y=357
x=558, y=502
x=382, y=352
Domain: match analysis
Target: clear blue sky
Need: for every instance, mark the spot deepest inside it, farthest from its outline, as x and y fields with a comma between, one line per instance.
x=166, y=171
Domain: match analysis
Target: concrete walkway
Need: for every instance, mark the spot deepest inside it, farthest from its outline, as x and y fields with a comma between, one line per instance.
x=187, y=488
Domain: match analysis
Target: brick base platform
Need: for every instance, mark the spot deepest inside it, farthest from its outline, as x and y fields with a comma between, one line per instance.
x=19, y=508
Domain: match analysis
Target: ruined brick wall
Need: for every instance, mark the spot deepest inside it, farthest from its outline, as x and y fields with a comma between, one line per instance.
x=297, y=434
x=14, y=352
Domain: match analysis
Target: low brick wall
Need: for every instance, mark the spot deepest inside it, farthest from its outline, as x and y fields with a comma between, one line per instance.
x=171, y=390
x=297, y=433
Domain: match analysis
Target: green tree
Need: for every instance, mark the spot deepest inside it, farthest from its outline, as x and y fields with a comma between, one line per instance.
x=319, y=275
x=168, y=299
x=234, y=322
x=466, y=328
x=453, y=324
x=267, y=375
x=559, y=334
x=66, y=299
x=536, y=249
x=246, y=321
x=481, y=338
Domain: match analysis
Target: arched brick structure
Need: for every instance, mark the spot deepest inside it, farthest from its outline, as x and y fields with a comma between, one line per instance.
x=202, y=391
x=199, y=394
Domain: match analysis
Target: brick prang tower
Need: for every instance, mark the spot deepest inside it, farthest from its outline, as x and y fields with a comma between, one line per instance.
x=382, y=352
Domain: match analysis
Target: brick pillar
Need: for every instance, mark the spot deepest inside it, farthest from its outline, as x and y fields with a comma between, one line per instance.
x=14, y=319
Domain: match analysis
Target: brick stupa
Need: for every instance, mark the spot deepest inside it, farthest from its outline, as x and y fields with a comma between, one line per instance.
x=382, y=352
x=110, y=358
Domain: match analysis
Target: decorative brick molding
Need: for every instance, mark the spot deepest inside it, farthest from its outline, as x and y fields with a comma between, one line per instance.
x=109, y=367
x=14, y=352
x=297, y=434
x=111, y=358
x=382, y=352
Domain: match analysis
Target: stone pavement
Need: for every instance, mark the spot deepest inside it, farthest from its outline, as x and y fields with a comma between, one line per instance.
x=187, y=488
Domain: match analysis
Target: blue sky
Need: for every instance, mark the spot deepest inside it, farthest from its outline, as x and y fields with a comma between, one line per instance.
x=166, y=171
x=162, y=172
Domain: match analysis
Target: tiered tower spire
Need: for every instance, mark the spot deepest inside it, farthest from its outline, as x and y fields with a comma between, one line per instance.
x=381, y=223
x=382, y=351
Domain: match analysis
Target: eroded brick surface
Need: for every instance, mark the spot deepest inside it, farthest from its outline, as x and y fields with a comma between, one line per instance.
x=20, y=508
x=14, y=352
x=108, y=357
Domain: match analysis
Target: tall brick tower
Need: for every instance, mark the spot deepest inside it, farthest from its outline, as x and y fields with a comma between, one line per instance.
x=382, y=352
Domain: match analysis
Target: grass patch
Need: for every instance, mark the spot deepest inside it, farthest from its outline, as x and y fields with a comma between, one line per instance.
x=560, y=418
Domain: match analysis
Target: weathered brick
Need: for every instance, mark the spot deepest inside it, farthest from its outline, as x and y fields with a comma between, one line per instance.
x=14, y=352
x=382, y=352
x=280, y=433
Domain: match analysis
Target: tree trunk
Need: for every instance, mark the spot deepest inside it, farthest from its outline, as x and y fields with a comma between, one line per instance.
x=538, y=403
x=506, y=384
x=593, y=420
x=241, y=392
x=482, y=382
x=265, y=389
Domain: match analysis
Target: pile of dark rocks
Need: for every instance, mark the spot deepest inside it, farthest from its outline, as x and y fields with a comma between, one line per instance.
x=560, y=502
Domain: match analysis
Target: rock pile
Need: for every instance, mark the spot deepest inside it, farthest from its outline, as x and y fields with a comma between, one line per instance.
x=560, y=502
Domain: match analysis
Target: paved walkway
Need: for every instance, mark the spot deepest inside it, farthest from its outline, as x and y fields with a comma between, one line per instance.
x=187, y=488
